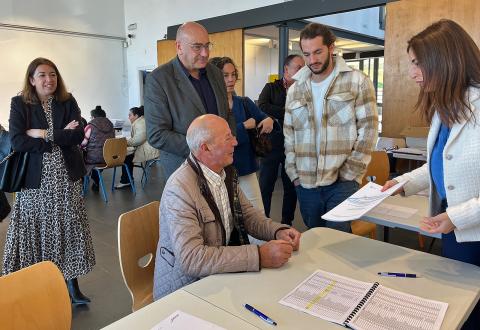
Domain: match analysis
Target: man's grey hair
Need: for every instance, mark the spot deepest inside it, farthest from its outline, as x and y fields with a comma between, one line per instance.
x=198, y=135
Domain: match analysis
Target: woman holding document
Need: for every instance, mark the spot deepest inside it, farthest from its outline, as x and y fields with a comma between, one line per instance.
x=445, y=63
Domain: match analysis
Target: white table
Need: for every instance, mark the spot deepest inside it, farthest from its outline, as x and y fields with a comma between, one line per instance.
x=357, y=257
x=420, y=203
x=151, y=315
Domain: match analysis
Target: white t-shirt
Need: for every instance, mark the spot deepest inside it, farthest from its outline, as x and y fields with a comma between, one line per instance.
x=318, y=93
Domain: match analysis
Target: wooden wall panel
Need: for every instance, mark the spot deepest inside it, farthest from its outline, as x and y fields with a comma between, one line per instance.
x=165, y=51
x=406, y=18
x=229, y=43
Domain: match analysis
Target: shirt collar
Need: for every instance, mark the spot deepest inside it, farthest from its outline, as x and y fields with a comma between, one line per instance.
x=203, y=72
x=213, y=178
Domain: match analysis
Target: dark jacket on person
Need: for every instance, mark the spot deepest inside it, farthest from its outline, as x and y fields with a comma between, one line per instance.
x=172, y=103
x=102, y=129
x=25, y=116
x=272, y=102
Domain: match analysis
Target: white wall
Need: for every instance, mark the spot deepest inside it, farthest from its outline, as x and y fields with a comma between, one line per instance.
x=94, y=69
x=153, y=18
x=260, y=62
x=363, y=21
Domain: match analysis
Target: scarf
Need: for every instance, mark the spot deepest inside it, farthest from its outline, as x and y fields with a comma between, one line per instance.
x=239, y=234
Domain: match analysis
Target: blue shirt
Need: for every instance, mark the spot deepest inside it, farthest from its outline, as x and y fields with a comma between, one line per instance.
x=243, y=157
x=204, y=90
x=436, y=161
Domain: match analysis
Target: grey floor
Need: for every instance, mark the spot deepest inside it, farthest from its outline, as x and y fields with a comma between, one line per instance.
x=104, y=285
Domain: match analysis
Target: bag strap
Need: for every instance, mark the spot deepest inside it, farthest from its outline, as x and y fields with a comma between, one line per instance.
x=7, y=157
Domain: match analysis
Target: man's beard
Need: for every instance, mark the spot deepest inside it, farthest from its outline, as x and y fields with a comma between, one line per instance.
x=323, y=68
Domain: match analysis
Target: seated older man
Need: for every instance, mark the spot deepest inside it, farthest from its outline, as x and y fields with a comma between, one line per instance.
x=205, y=218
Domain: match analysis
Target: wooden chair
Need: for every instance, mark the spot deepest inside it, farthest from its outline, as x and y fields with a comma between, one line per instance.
x=138, y=234
x=377, y=171
x=114, y=153
x=35, y=297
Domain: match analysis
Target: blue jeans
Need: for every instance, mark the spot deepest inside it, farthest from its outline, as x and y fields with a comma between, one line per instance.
x=267, y=178
x=315, y=202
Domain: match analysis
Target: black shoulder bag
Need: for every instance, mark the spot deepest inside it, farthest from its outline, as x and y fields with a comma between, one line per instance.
x=260, y=142
x=13, y=166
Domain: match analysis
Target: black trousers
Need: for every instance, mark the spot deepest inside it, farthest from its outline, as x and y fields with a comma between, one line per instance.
x=129, y=163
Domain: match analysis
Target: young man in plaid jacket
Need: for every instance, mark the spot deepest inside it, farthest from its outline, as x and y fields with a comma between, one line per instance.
x=330, y=127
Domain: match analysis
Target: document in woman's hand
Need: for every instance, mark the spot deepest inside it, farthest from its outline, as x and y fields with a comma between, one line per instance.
x=365, y=199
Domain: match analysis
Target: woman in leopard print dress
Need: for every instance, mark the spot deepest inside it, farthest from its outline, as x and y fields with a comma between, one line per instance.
x=49, y=220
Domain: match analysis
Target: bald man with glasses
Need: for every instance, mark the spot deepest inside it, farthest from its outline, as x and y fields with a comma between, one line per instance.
x=181, y=90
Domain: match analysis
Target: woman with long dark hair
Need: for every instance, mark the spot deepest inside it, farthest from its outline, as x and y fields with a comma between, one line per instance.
x=49, y=220
x=445, y=63
x=247, y=116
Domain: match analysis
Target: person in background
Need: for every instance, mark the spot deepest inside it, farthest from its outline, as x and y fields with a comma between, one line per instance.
x=181, y=90
x=247, y=116
x=5, y=207
x=49, y=220
x=99, y=129
x=445, y=63
x=330, y=128
x=206, y=219
x=272, y=102
x=139, y=150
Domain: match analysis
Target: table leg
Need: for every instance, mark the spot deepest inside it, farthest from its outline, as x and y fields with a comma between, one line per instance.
x=386, y=234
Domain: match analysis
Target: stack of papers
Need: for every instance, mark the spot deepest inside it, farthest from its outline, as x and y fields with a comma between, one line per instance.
x=355, y=206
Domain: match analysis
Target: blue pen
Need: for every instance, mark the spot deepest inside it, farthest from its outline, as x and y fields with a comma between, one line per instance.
x=397, y=274
x=260, y=314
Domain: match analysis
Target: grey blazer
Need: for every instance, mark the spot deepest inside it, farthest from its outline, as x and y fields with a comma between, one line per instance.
x=172, y=103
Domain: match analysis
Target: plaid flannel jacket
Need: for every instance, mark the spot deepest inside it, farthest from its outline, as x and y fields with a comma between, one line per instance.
x=349, y=128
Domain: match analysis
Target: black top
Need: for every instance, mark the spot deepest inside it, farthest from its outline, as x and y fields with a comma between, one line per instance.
x=272, y=102
x=25, y=116
x=204, y=89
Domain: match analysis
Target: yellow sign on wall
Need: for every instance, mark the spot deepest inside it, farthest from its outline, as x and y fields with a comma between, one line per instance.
x=272, y=77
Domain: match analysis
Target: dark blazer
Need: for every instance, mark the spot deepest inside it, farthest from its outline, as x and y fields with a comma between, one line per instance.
x=272, y=102
x=172, y=103
x=25, y=116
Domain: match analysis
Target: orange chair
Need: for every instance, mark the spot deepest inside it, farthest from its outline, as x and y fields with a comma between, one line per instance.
x=377, y=171
x=35, y=297
x=138, y=234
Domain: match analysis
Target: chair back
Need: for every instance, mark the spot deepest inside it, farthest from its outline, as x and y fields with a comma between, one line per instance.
x=35, y=297
x=379, y=168
x=138, y=234
x=114, y=152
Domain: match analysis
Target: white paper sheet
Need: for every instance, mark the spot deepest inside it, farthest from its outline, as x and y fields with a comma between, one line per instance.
x=365, y=306
x=182, y=321
x=396, y=211
x=326, y=295
x=365, y=199
x=389, y=309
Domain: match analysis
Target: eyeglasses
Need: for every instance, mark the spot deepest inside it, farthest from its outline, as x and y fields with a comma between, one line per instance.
x=198, y=47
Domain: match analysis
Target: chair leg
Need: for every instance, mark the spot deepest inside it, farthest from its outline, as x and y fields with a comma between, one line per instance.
x=113, y=178
x=86, y=181
x=102, y=185
x=146, y=171
x=421, y=241
x=132, y=183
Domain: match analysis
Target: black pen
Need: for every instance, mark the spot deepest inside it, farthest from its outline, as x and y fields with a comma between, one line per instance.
x=388, y=274
x=260, y=314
